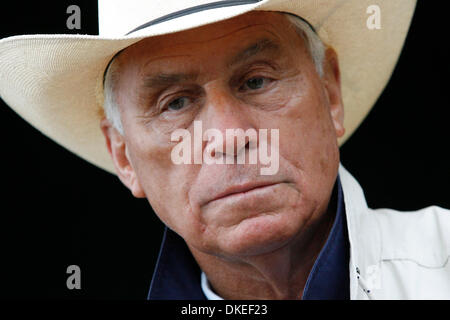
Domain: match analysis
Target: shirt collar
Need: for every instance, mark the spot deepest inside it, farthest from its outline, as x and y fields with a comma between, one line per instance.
x=329, y=278
x=177, y=276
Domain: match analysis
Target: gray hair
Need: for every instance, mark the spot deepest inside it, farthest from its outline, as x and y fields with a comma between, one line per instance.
x=314, y=44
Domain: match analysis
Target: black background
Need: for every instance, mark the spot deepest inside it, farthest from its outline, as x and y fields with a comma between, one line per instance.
x=57, y=210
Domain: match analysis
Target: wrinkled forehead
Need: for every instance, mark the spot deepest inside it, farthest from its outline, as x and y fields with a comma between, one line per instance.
x=235, y=32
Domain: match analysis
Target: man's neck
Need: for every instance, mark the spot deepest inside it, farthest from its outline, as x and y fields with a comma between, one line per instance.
x=280, y=274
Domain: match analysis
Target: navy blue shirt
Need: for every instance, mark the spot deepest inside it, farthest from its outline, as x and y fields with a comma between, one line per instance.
x=177, y=274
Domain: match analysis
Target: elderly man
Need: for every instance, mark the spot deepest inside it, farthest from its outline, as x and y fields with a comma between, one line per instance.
x=300, y=231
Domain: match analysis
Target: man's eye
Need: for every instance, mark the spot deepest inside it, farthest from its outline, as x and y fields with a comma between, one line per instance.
x=254, y=83
x=177, y=104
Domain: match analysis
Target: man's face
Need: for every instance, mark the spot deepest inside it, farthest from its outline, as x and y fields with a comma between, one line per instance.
x=206, y=74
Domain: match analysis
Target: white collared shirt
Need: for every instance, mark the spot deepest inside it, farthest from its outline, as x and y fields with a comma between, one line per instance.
x=207, y=290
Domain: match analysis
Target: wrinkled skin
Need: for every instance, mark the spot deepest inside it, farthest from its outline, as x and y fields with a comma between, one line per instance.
x=258, y=244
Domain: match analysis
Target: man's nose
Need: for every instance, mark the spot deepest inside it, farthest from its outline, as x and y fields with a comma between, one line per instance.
x=229, y=116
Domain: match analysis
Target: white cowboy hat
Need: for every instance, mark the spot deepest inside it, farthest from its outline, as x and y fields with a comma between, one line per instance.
x=55, y=82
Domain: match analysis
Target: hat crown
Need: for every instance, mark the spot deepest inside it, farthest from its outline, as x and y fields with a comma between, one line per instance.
x=118, y=17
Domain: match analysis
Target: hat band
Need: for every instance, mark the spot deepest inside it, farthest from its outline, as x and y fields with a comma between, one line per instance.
x=191, y=10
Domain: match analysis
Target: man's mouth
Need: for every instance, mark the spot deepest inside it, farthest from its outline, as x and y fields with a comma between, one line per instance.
x=242, y=189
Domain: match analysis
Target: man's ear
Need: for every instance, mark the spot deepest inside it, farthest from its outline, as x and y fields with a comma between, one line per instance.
x=117, y=148
x=332, y=84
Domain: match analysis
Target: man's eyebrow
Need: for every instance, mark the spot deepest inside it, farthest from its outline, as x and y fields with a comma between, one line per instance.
x=166, y=79
x=258, y=47
x=161, y=80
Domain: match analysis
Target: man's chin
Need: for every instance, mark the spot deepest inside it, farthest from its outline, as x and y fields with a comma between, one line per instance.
x=257, y=235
